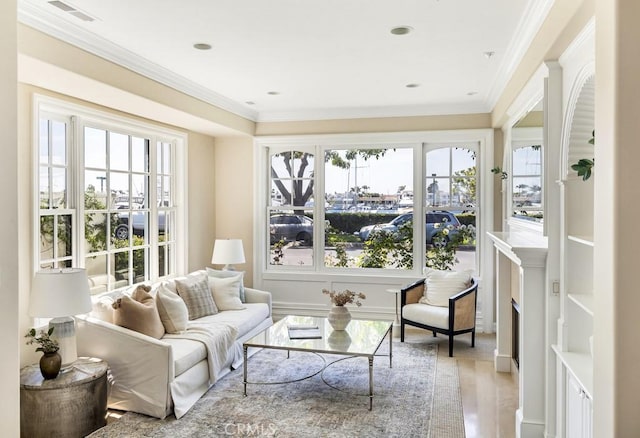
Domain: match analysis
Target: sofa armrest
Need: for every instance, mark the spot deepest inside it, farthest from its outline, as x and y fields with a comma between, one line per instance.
x=141, y=367
x=257, y=296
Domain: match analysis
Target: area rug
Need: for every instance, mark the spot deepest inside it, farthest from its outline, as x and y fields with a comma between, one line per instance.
x=403, y=404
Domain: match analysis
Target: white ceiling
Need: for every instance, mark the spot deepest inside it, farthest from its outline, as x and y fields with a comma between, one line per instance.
x=325, y=58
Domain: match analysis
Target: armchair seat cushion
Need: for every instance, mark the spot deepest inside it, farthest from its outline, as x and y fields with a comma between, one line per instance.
x=434, y=316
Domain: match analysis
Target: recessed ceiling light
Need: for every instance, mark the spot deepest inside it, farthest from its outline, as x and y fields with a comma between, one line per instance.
x=412, y=85
x=401, y=30
x=472, y=93
x=273, y=93
x=202, y=46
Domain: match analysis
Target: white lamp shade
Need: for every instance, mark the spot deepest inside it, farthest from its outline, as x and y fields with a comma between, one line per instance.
x=227, y=252
x=59, y=292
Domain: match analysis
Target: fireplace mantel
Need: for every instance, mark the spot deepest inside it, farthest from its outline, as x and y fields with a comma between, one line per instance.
x=528, y=251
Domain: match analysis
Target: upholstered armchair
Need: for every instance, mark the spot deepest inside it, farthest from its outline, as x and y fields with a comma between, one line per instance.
x=450, y=315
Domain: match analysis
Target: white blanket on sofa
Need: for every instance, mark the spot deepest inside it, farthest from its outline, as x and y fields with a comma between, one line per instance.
x=218, y=337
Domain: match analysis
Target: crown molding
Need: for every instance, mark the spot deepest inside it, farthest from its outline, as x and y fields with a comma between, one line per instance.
x=52, y=25
x=530, y=23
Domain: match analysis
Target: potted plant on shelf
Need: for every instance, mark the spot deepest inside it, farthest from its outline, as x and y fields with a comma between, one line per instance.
x=51, y=361
x=339, y=316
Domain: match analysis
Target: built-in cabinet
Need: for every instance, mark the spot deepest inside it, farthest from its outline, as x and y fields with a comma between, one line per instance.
x=574, y=349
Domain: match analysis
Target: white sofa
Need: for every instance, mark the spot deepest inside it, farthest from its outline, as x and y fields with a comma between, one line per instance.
x=159, y=376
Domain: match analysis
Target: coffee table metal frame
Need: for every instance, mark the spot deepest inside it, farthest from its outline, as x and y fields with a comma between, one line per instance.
x=360, y=335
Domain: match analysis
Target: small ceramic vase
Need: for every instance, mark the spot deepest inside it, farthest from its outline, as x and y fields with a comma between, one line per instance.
x=339, y=317
x=50, y=364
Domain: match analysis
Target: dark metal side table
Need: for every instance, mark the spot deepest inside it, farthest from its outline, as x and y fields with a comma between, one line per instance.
x=74, y=404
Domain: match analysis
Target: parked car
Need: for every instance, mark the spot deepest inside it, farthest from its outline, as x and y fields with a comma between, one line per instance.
x=435, y=217
x=139, y=221
x=291, y=227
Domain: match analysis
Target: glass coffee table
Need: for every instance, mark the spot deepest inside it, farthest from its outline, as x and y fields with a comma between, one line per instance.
x=361, y=338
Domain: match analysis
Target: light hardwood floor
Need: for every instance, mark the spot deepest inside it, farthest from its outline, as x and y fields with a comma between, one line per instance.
x=489, y=399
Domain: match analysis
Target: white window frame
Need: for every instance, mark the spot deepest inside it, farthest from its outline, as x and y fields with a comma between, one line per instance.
x=44, y=106
x=321, y=143
x=475, y=147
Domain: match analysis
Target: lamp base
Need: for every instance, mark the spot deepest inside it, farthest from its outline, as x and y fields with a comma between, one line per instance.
x=64, y=331
x=228, y=268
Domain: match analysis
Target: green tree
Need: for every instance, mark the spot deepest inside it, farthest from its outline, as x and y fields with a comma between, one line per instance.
x=302, y=194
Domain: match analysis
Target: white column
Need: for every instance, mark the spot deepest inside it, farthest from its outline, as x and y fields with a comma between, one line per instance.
x=529, y=252
x=502, y=355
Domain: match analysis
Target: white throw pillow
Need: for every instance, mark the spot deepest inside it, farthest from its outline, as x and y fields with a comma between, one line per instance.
x=172, y=310
x=441, y=285
x=102, y=309
x=226, y=274
x=226, y=292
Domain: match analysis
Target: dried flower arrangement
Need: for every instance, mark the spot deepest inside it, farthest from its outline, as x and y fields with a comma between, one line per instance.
x=345, y=297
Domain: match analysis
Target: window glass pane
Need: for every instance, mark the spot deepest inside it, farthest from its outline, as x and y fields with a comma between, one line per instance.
x=367, y=192
x=291, y=238
x=438, y=162
x=44, y=187
x=65, y=236
x=46, y=237
x=139, y=154
x=139, y=264
x=302, y=165
x=118, y=151
x=120, y=269
x=59, y=143
x=451, y=208
x=95, y=232
x=461, y=159
x=164, y=224
x=139, y=194
x=96, y=267
x=437, y=191
x=527, y=196
x=44, y=141
x=166, y=158
x=527, y=161
x=59, y=186
x=280, y=192
x=167, y=195
x=95, y=197
x=95, y=148
x=119, y=188
x=162, y=259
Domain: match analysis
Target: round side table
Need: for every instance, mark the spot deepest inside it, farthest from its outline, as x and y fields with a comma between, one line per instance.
x=73, y=404
x=396, y=323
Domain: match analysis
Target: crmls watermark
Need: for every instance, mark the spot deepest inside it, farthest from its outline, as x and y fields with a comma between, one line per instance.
x=233, y=429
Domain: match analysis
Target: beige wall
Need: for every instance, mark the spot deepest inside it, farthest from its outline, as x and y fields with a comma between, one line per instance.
x=234, y=182
x=201, y=199
x=389, y=124
x=9, y=256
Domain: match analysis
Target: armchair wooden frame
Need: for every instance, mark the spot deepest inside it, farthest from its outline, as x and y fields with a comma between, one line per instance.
x=462, y=312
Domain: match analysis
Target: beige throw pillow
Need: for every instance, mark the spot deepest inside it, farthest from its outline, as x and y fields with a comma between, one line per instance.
x=226, y=292
x=441, y=285
x=139, y=312
x=172, y=310
x=195, y=292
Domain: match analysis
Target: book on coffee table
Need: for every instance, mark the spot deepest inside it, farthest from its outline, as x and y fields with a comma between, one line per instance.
x=298, y=331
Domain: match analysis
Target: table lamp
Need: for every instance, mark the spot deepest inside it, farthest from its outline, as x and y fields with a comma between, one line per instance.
x=60, y=294
x=227, y=252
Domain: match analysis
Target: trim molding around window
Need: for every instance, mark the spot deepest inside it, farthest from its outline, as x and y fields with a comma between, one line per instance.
x=129, y=221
